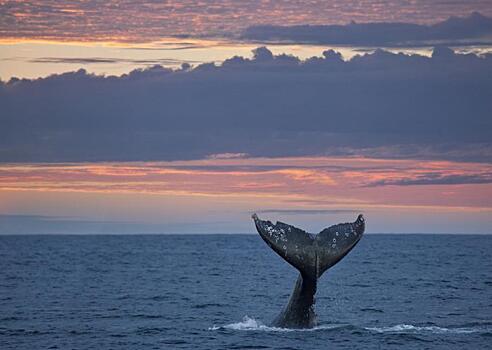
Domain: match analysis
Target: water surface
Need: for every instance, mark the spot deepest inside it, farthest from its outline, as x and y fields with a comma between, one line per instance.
x=221, y=291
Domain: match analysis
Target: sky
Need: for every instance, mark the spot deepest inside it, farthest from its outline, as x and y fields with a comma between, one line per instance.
x=189, y=116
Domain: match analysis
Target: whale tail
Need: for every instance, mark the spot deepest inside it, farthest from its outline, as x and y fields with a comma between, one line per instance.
x=311, y=254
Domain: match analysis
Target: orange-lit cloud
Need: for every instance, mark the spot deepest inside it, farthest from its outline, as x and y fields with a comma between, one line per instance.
x=340, y=181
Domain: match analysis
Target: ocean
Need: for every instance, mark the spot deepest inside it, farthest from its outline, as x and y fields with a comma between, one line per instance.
x=221, y=292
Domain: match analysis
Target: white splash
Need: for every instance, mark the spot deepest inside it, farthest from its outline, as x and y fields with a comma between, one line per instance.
x=247, y=324
x=250, y=324
x=408, y=328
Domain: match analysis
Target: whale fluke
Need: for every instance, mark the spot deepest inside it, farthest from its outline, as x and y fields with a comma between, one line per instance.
x=312, y=255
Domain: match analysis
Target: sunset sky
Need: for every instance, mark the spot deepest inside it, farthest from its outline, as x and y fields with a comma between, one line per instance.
x=189, y=116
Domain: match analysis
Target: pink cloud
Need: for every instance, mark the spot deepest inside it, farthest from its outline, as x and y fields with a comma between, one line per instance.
x=305, y=180
x=150, y=21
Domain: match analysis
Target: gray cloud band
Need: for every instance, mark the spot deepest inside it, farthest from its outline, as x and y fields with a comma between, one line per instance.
x=473, y=30
x=379, y=104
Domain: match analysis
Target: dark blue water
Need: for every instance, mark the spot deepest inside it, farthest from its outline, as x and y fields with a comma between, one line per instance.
x=220, y=292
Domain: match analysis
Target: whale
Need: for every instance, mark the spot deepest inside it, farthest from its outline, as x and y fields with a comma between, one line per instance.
x=311, y=255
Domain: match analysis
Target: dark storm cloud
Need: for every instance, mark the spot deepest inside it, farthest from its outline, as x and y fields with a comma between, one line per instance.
x=379, y=105
x=473, y=30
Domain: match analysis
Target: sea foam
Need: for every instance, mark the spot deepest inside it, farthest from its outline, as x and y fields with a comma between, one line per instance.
x=251, y=324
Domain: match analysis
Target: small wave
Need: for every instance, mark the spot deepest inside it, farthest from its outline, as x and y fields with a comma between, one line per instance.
x=146, y=316
x=250, y=324
x=203, y=306
x=408, y=328
x=22, y=332
x=370, y=309
x=10, y=318
x=78, y=332
x=151, y=330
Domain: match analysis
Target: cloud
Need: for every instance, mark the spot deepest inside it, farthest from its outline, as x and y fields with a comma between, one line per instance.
x=110, y=60
x=327, y=183
x=436, y=179
x=378, y=104
x=172, y=46
x=473, y=30
x=228, y=156
x=150, y=20
x=176, y=196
